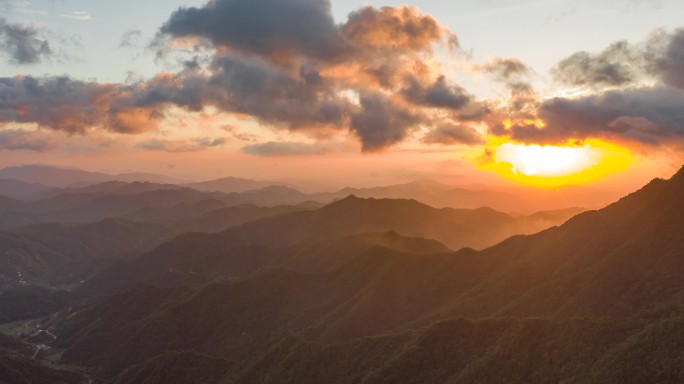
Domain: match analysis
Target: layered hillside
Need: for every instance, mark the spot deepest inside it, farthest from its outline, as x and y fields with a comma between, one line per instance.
x=598, y=299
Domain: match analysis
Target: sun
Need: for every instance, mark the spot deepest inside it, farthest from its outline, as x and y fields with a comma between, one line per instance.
x=546, y=161
x=553, y=166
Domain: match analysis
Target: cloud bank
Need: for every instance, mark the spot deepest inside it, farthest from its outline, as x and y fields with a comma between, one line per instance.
x=285, y=63
x=377, y=75
x=636, y=97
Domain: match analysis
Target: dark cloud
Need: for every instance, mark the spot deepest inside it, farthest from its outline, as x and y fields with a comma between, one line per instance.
x=17, y=140
x=618, y=65
x=73, y=106
x=449, y=134
x=648, y=116
x=523, y=97
x=438, y=95
x=380, y=122
x=252, y=87
x=475, y=112
x=622, y=106
x=661, y=57
x=22, y=43
x=305, y=28
x=264, y=27
x=506, y=69
x=669, y=66
x=286, y=64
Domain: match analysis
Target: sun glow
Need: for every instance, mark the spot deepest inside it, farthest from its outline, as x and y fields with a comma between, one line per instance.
x=548, y=161
x=552, y=166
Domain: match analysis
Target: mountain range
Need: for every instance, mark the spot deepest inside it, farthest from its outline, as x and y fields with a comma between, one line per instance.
x=31, y=183
x=65, y=177
x=382, y=291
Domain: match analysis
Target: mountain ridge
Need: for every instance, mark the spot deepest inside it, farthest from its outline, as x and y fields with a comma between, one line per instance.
x=591, y=267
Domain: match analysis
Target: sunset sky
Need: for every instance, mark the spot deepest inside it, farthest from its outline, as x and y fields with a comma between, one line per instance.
x=347, y=93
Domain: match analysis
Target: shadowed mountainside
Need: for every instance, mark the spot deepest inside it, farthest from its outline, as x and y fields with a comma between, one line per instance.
x=605, y=288
x=27, y=302
x=296, y=239
x=66, y=253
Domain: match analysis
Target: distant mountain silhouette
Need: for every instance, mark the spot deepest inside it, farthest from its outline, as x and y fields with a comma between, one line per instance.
x=232, y=184
x=502, y=199
x=453, y=227
x=21, y=190
x=597, y=299
x=43, y=249
x=436, y=194
x=68, y=252
x=433, y=193
x=7, y=203
x=65, y=177
x=275, y=240
x=139, y=201
x=274, y=195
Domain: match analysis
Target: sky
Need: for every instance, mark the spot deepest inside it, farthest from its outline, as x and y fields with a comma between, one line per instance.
x=347, y=93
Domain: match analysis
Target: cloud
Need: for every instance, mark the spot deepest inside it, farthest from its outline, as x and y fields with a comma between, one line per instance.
x=177, y=146
x=238, y=134
x=289, y=65
x=647, y=117
x=506, y=69
x=25, y=44
x=18, y=140
x=253, y=87
x=22, y=43
x=637, y=98
x=264, y=27
x=285, y=64
x=210, y=143
x=380, y=122
x=64, y=104
x=130, y=38
x=450, y=134
x=669, y=65
x=650, y=116
x=300, y=80
x=77, y=15
x=290, y=148
x=281, y=29
x=660, y=58
x=392, y=29
x=437, y=95
x=618, y=65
